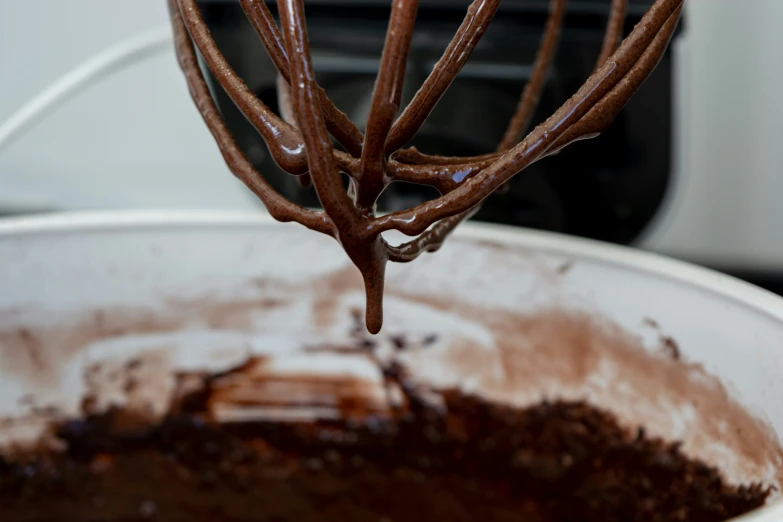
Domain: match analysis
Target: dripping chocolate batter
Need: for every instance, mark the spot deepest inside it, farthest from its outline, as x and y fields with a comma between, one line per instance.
x=375, y=159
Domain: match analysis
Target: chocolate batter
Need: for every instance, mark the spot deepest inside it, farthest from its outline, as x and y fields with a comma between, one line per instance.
x=374, y=159
x=472, y=462
x=420, y=454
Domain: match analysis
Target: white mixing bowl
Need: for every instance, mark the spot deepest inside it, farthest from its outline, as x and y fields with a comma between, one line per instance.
x=509, y=314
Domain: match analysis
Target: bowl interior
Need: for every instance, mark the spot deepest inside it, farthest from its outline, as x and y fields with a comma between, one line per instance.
x=514, y=316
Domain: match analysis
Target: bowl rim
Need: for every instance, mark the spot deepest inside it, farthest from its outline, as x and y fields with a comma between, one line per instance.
x=712, y=281
x=728, y=287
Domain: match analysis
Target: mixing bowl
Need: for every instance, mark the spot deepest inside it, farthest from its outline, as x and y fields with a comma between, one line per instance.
x=511, y=315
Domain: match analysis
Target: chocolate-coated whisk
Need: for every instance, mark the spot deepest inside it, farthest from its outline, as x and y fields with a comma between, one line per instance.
x=374, y=159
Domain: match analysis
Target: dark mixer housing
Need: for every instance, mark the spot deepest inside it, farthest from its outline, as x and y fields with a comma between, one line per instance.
x=608, y=188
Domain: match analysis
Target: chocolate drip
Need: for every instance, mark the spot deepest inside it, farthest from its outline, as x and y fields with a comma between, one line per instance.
x=303, y=147
x=532, y=92
x=614, y=31
x=478, y=18
x=338, y=123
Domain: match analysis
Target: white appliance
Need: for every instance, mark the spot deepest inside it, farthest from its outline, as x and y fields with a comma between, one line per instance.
x=134, y=140
x=725, y=206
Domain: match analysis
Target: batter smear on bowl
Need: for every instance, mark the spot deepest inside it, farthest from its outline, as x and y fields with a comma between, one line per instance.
x=302, y=142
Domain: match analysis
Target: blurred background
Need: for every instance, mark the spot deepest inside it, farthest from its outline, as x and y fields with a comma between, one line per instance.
x=693, y=167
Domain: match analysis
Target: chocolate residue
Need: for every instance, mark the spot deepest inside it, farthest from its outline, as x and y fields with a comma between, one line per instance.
x=671, y=348
x=21, y=348
x=430, y=340
x=652, y=323
x=303, y=145
x=607, y=366
x=348, y=397
x=565, y=267
x=550, y=348
x=504, y=356
x=399, y=342
x=472, y=460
